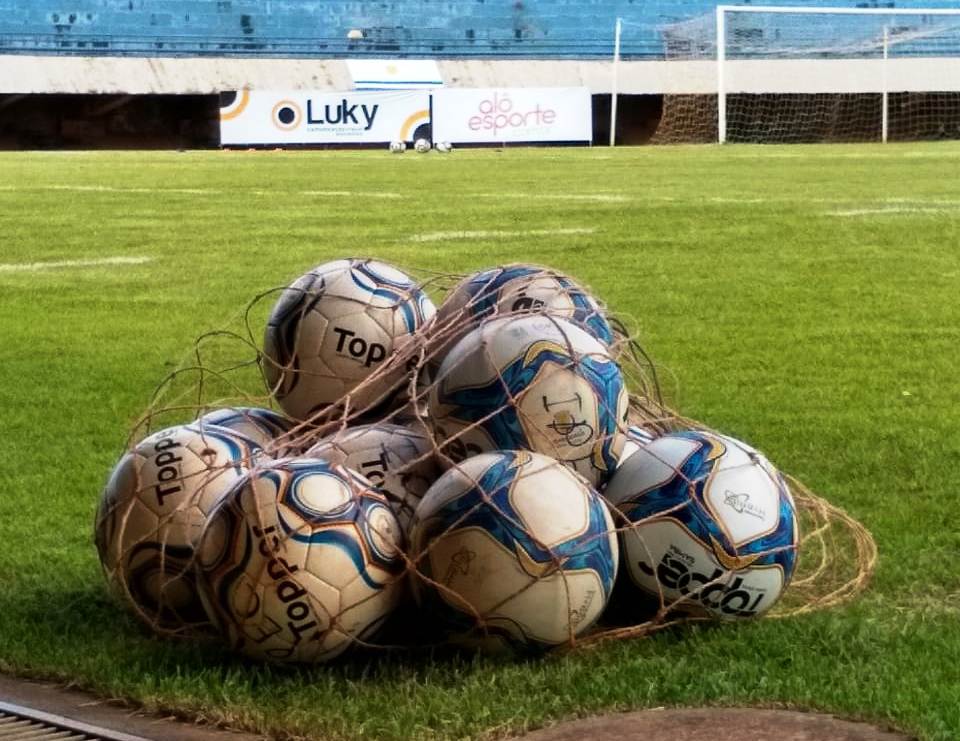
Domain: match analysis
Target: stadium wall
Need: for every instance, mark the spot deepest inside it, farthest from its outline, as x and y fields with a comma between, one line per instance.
x=200, y=76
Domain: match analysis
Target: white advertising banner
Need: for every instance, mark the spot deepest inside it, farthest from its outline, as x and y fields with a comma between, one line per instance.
x=304, y=117
x=474, y=115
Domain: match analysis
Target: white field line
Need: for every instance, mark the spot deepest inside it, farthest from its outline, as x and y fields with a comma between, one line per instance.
x=890, y=210
x=945, y=153
x=34, y=267
x=749, y=201
x=199, y=191
x=350, y=193
x=114, y=189
x=108, y=189
x=895, y=204
x=923, y=201
x=598, y=197
x=499, y=234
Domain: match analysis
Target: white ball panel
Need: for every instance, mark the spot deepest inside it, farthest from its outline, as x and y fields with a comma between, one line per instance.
x=745, y=500
x=320, y=494
x=560, y=515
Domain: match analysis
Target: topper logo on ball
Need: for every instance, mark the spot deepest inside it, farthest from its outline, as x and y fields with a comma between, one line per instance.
x=168, y=468
x=709, y=590
x=288, y=591
x=457, y=449
x=376, y=469
x=358, y=348
x=524, y=302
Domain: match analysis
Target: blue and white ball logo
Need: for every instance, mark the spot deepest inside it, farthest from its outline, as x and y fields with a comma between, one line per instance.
x=532, y=382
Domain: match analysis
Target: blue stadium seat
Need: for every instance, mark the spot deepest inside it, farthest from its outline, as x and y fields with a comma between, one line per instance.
x=318, y=28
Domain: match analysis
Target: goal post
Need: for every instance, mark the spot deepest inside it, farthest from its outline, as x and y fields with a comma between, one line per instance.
x=822, y=73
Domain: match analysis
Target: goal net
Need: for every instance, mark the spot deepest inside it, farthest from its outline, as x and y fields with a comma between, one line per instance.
x=805, y=74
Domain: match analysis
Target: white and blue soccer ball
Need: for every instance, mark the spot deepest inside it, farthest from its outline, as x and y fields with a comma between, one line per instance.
x=443, y=147
x=152, y=513
x=300, y=561
x=398, y=147
x=422, y=146
x=531, y=382
x=710, y=527
x=397, y=460
x=511, y=290
x=513, y=550
x=266, y=427
x=343, y=328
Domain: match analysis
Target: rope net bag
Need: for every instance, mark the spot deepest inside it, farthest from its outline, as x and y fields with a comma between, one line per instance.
x=347, y=465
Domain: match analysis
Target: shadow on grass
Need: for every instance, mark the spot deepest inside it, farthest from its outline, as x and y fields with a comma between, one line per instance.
x=86, y=628
x=67, y=626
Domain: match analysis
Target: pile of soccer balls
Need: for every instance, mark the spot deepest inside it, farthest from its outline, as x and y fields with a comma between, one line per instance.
x=471, y=468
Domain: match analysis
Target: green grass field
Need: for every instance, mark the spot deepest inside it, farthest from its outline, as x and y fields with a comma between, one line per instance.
x=805, y=299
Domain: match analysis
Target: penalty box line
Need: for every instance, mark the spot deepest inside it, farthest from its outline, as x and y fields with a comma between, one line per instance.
x=35, y=267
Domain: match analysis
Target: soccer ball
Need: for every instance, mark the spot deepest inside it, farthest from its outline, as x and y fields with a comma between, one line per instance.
x=443, y=147
x=422, y=146
x=397, y=460
x=152, y=513
x=714, y=527
x=531, y=382
x=398, y=147
x=301, y=560
x=342, y=329
x=513, y=550
x=264, y=426
x=514, y=289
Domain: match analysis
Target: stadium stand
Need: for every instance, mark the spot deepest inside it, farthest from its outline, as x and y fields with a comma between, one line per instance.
x=572, y=29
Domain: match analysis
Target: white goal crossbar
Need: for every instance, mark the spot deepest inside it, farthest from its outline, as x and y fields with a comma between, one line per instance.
x=882, y=66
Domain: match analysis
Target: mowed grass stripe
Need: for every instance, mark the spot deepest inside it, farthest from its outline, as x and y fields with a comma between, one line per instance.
x=499, y=234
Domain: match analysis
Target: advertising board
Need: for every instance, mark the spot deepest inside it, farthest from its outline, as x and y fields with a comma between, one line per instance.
x=476, y=115
x=259, y=117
